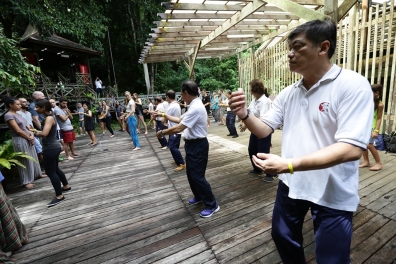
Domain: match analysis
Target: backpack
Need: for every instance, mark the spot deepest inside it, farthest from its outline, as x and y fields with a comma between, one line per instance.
x=390, y=142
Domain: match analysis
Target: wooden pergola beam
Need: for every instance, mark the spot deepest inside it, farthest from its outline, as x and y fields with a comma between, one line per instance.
x=235, y=19
x=296, y=9
x=344, y=8
x=263, y=15
x=252, y=33
x=210, y=28
x=217, y=7
x=218, y=23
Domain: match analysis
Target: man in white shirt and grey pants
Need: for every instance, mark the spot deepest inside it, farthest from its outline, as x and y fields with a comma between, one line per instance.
x=194, y=125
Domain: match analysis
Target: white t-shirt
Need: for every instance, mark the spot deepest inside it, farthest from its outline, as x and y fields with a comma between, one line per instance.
x=165, y=105
x=226, y=102
x=27, y=116
x=195, y=119
x=160, y=108
x=261, y=106
x=151, y=107
x=98, y=83
x=173, y=110
x=130, y=106
x=338, y=108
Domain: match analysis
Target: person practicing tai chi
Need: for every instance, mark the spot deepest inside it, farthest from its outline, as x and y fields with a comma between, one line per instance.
x=174, y=139
x=326, y=118
x=194, y=124
x=378, y=111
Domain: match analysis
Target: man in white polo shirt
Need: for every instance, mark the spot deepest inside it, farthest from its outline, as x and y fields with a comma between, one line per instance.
x=326, y=118
x=174, y=139
x=194, y=124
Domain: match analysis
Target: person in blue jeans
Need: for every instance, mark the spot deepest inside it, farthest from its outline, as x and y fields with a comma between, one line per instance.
x=230, y=118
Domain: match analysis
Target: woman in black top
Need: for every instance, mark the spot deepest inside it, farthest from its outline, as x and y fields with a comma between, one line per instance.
x=119, y=114
x=139, y=113
x=101, y=121
x=51, y=151
x=89, y=125
x=106, y=112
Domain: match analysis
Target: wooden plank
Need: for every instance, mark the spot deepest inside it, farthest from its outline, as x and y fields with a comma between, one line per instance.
x=369, y=246
x=298, y=10
x=385, y=254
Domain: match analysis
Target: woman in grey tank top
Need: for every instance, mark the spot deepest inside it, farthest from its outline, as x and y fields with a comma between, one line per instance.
x=51, y=151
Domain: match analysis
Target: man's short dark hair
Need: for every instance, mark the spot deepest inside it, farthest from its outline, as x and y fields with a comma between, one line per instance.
x=171, y=94
x=318, y=31
x=62, y=99
x=157, y=99
x=190, y=87
x=163, y=98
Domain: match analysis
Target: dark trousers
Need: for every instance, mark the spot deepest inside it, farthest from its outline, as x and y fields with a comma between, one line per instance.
x=258, y=145
x=230, y=123
x=99, y=92
x=173, y=145
x=160, y=126
x=50, y=160
x=197, y=152
x=108, y=124
x=333, y=230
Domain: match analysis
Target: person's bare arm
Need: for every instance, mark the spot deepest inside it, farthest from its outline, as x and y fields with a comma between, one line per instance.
x=171, y=131
x=14, y=126
x=237, y=103
x=168, y=117
x=49, y=122
x=36, y=122
x=327, y=157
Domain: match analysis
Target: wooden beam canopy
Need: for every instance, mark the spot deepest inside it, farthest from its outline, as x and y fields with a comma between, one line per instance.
x=224, y=27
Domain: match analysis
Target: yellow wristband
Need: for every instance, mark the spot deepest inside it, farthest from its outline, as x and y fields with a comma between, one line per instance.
x=163, y=114
x=290, y=165
x=376, y=130
x=34, y=130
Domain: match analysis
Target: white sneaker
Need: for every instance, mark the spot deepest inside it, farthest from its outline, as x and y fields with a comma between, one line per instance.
x=165, y=147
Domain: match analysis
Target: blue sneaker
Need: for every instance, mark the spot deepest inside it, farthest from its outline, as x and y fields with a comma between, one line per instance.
x=209, y=212
x=194, y=201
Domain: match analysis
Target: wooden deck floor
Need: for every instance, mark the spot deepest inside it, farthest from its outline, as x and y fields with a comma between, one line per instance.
x=131, y=207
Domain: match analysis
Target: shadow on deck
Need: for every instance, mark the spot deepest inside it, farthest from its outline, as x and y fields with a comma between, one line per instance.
x=131, y=207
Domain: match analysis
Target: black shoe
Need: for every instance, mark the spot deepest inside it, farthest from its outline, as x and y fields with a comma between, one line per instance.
x=268, y=179
x=254, y=172
x=229, y=135
x=56, y=201
x=66, y=190
x=235, y=136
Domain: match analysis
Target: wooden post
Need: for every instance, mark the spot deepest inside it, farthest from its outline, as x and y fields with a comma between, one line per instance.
x=331, y=9
x=252, y=63
x=239, y=70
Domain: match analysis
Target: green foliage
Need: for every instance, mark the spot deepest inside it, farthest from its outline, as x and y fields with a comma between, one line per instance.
x=15, y=72
x=213, y=74
x=9, y=158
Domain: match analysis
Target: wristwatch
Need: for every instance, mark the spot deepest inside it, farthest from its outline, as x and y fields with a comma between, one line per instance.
x=247, y=115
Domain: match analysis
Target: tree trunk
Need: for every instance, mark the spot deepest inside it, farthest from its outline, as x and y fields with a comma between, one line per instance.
x=133, y=28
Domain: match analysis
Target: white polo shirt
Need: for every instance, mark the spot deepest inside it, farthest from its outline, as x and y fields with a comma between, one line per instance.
x=195, y=119
x=261, y=106
x=173, y=110
x=338, y=108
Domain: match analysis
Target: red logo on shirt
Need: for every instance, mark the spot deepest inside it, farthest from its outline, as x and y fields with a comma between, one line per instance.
x=324, y=107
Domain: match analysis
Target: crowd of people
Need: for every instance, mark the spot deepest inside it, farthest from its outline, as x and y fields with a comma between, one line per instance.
x=334, y=109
